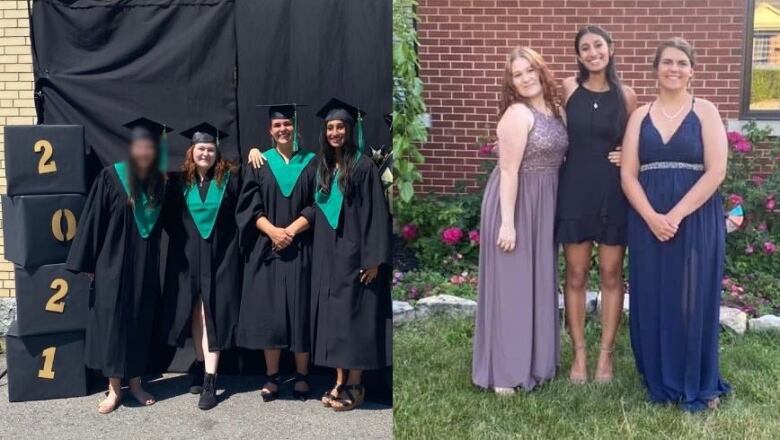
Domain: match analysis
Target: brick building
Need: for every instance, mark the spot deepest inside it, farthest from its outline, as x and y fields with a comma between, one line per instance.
x=463, y=45
x=16, y=97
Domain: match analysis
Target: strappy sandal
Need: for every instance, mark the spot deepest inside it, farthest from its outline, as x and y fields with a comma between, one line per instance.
x=352, y=400
x=328, y=398
x=268, y=395
x=605, y=378
x=302, y=395
x=578, y=379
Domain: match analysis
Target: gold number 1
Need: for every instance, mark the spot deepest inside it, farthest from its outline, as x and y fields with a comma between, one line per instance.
x=45, y=164
x=48, y=363
x=56, y=303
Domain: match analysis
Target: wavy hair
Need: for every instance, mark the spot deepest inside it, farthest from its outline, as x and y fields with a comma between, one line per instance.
x=546, y=79
x=220, y=169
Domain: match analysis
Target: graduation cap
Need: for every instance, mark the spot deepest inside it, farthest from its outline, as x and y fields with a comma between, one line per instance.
x=147, y=129
x=335, y=109
x=285, y=111
x=204, y=132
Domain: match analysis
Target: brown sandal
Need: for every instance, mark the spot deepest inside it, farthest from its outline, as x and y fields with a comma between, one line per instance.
x=328, y=398
x=351, y=401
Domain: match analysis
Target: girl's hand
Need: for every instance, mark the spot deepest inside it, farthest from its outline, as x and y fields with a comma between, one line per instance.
x=662, y=227
x=256, y=158
x=615, y=156
x=506, y=238
x=368, y=275
x=280, y=238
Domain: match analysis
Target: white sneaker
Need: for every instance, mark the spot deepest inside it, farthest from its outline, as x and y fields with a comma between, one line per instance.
x=504, y=391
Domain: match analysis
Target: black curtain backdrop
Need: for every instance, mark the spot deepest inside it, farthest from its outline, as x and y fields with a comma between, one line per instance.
x=307, y=51
x=101, y=64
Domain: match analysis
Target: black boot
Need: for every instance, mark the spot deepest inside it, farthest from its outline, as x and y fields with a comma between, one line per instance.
x=197, y=370
x=208, y=398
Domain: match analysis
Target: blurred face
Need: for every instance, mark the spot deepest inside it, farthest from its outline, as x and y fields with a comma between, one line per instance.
x=282, y=131
x=336, y=133
x=525, y=79
x=204, y=155
x=142, y=153
x=674, y=69
x=594, y=52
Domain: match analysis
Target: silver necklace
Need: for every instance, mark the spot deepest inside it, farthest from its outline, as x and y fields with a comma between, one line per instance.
x=667, y=116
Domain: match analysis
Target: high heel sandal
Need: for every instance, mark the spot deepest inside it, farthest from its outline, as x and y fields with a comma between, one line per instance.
x=578, y=379
x=605, y=378
x=352, y=400
x=328, y=398
x=302, y=395
x=269, y=395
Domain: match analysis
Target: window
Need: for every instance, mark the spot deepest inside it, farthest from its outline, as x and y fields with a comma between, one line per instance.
x=761, y=90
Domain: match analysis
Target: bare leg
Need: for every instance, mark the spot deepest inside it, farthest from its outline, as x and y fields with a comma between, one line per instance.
x=611, y=270
x=111, y=402
x=302, y=367
x=197, y=329
x=577, y=267
x=272, y=367
x=139, y=393
x=211, y=358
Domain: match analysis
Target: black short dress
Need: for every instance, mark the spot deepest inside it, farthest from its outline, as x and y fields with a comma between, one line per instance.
x=591, y=205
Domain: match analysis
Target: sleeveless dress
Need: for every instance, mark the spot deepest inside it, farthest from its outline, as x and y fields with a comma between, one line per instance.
x=516, y=339
x=675, y=286
x=591, y=205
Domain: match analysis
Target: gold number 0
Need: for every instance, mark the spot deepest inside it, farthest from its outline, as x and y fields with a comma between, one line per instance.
x=56, y=227
x=45, y=164
x=47, y=372
x=56, y=303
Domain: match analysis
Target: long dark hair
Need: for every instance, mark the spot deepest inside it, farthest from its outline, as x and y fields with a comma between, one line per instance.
x=612, y=77
x=154, y=184
x=327, y=160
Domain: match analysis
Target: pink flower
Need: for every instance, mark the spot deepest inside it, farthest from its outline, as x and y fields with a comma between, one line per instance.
x=486, y=149
x=457, y=279
x=770, y=248
x=474, y=236
x=749, y=249
x=757, y=180
x=734, y=137
x=409, y=232
x=761, y=227
x=452, y=235
x=743, y=146
x=770, y=203
x=735, y=199
x=726, y=281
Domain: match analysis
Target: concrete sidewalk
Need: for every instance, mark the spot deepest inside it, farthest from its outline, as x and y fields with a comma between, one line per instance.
x=241, y=414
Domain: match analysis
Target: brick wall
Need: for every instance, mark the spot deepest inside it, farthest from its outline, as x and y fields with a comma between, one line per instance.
x=16, y=96
x=463, y=45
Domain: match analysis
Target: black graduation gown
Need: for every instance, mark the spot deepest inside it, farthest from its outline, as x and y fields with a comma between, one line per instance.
x=127, y=280
x=275, y=303
x=197, y=267
x=352, y=323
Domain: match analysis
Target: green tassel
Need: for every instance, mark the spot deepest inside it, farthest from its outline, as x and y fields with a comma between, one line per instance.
x=164, y=151
x=295, y=131
x=359, y=136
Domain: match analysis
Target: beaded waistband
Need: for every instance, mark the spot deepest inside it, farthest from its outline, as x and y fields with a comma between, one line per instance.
x=671, y=165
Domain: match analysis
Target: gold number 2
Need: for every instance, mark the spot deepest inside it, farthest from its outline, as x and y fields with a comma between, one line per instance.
x=56, y=227
x=45, y=163
x=47, y=372
x=56, y=303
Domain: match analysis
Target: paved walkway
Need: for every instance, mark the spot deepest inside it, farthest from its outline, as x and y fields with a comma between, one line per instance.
x=241, y=414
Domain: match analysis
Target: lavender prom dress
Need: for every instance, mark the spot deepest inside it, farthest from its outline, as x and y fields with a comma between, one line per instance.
x=516, y=342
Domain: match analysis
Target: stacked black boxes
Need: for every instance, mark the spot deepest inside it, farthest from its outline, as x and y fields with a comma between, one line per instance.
x=47, y=189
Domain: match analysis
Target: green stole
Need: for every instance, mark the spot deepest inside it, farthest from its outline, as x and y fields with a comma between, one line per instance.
x=287, y=173
x=330, y=204
x=204, y=212
x=145, y=217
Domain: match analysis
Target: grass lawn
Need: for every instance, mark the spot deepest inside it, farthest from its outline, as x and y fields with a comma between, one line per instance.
x=434, y=398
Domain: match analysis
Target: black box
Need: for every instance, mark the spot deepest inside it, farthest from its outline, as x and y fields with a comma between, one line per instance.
x=45, y=366
x=39, y=229
x=50, y=299
x=45, y=159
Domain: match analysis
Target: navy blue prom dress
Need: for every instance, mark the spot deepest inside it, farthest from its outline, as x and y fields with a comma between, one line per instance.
x=675, y=286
